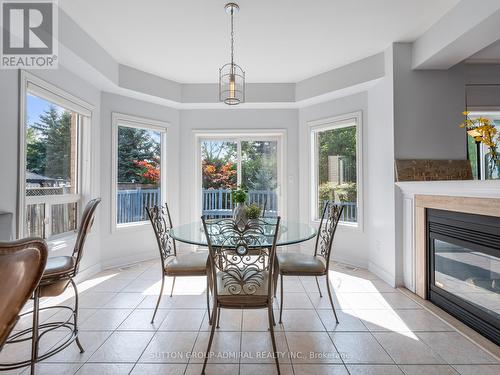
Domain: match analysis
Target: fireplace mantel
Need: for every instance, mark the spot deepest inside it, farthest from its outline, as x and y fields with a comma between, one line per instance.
x=478, y=197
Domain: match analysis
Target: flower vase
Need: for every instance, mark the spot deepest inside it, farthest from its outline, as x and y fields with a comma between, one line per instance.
x=239, y=214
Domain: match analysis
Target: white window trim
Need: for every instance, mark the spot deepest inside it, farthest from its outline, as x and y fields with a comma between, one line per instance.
x=280, y=135
x=31, y=83
x=121, y=119
x=333, y=123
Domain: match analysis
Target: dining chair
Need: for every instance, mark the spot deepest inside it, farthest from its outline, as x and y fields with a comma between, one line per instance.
x=21, y=267
x=241, y=265
x=173, y=264
x=58, y=274
x=317, y=264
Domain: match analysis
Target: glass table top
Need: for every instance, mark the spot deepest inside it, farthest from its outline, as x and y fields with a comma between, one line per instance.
x=290, y=232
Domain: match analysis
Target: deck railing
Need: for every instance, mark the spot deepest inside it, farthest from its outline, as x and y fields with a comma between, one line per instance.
x=217, y=203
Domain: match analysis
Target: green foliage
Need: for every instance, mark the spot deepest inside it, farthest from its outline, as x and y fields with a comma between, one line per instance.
x=48, y=149
x=239, y=195
x=346, y=192
x=341, y=142
x=253, y=211
x=136, y=146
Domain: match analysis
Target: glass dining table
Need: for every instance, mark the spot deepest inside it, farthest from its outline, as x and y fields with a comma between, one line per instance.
x=290, y=233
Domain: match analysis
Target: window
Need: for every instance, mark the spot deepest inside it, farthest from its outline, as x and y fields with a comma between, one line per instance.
x=53, y=124
x=335, y=146
x=138, y=168
x=250, y=161
x=482, y=166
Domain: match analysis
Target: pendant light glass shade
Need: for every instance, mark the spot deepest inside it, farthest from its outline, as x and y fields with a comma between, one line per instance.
x=231, y=76
x=231, y=84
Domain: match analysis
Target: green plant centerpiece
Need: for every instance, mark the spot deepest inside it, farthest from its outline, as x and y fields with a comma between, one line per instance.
x=239, y=197
x=253, y=211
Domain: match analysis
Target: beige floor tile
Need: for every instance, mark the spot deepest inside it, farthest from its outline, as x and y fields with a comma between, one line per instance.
x=183, y=320
x=258, y=320
x=382, y=320
x=348, y=321
x=359, y=347
x=21, y=351
x=105, y=319
x=356, y=301
x=256, y=347
x=95, y=300
x=302, y=320
x=55, y=368
x=122, y=347
x=321, y=303
x=105, y=369
x=170, y=347
x=291, y=284
x=478, y=369
x=125, y=301
x=407, y=348
x=149, y=302
x=230, y=320
x=148, y=287
x=191, y=301
x=295, y=301
x=455, y=349
x=225, y=347
x=140, y=320
x=265, y=369
x=63, y=314
x=212, y=369
x=430, y=370
x=422, y=320
x=111, y=285
x=158, y=369
x=90, y=340
x=313, y=369
x=374, y=370
x=312, y=347
x=397, y=301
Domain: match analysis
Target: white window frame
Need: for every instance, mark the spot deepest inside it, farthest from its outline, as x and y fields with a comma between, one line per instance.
x=279, y=135
x=345, y=120
x=31, y=84
x=121, y=119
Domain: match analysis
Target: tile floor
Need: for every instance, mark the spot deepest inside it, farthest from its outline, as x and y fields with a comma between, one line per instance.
x=381, y=331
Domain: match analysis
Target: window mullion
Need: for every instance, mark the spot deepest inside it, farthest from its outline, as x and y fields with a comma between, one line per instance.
x=238, y=156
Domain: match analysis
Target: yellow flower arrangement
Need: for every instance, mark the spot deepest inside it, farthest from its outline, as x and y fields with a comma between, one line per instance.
x=482, y=130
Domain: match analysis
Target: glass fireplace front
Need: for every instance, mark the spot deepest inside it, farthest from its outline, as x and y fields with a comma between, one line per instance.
x=464, y=268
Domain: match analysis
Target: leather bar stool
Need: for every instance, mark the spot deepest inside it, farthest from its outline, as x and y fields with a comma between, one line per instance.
x=58, y=274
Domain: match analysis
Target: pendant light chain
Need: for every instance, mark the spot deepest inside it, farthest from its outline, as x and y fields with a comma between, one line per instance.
x=231, y=75
x=232, y=37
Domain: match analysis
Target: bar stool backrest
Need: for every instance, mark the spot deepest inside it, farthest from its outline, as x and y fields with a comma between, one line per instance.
x=21, y=266
x=85, y=225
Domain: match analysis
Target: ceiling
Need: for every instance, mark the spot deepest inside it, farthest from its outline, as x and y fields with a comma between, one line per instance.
x=276, y=40
x=490, y=54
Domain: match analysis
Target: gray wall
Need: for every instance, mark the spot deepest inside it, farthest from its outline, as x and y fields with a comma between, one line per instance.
x=428, y=108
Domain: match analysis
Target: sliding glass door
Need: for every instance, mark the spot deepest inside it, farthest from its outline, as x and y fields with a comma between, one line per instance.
x=230, y=162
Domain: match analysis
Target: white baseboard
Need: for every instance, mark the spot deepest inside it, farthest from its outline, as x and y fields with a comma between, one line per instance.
x=382, y=273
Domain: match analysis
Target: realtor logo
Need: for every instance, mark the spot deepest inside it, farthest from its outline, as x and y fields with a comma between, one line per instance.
x=29, y=30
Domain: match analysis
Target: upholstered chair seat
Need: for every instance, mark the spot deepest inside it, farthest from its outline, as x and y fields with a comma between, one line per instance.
x=191, y=264
x=173, y=264
x=299, y=264
x=258, y=297
x=57, y=266
x=317, y=263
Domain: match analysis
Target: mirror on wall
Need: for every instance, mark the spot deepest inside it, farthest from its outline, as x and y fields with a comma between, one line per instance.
x=483, y=107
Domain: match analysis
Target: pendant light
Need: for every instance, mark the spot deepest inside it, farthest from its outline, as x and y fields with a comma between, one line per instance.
x=231, y=76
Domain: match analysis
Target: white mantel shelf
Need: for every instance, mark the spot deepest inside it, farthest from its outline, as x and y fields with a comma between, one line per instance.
x=472, y=188
x=410, y=217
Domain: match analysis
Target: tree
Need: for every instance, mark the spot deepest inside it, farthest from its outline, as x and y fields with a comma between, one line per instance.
x=138, y=156
x=49, y=145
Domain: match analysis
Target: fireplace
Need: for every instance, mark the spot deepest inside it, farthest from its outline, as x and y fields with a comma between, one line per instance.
x=463, y=266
